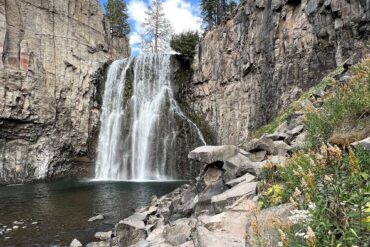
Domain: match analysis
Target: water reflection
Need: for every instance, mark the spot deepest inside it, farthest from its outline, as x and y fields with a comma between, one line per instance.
x=63, y=208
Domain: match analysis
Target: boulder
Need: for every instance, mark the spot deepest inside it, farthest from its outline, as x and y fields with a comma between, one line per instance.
x=210, y=154
x=250, y=167
x=298, y=142
x=75, y=243
x=99, y=244
x=365, y=143
x=245, y=178
x=130, y=230
x=95, y=218
x=206, y=238
x=103, y=235
x=281, y=148
x=232, y=164
x=263, y=143
x=227, y=198
x=179, y=231
x=295, y=130
x=257, y=156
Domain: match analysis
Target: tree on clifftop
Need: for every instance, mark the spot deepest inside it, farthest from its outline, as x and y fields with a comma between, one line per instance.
x=158, y=30
x=116, y=12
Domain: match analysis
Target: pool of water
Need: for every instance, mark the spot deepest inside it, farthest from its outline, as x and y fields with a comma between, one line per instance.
x=62, y=209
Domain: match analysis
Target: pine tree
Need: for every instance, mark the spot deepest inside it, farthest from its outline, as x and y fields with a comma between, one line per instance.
x=116, y=12
x=209, y=11
x=185, y=43
x=158, y=30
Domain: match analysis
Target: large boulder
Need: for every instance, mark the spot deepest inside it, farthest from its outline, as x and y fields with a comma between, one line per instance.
x=211, y=154
x=365, y=143
x=130, y=230
x=263, y=143
x=227, y=198
x=179, y=231
x=245, y=178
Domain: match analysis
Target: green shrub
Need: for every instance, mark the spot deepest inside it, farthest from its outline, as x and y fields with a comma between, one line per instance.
x=185, y=43
x=334, y=186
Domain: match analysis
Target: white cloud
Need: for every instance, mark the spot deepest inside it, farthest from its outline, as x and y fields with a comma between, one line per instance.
x=135, y=38
x=181, y=15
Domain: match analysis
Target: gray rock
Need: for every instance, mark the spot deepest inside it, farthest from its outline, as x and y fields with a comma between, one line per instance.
x=296, y=130
x=210, y=154
x=179, y=231
x=257, y=156
x=50, y=86
x=228, y=197
x=264, y=143
x=365, y=143
x=245, y=178
x=299, y=141
x=129, y=231
x=75, y=243
x=232, y=165
x=103, y=235
x=206, y=238
x=281, y=147
x=99, y=244
x=95, y=218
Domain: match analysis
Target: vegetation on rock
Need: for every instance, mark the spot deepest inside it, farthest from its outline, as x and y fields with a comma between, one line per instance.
x=328, y=185
x=185, y=43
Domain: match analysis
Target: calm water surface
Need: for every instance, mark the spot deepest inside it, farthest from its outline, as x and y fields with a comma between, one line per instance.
x=63, y=208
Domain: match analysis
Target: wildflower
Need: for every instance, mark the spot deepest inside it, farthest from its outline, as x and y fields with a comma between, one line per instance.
x=335, y=153
x=297, y=192
x=311, y=238
x=353, y=162
x=310, y=180
x=283, y=238
x=293, y=202
x=327, y=179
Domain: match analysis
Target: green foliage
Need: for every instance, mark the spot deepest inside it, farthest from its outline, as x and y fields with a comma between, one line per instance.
x=116, y=12
x=272, y=196
x=347, y=105
x=185, y=43
x=214, y=12
x=337, y=183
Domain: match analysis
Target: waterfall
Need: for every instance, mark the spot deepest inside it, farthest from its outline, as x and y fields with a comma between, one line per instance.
x=140, y=122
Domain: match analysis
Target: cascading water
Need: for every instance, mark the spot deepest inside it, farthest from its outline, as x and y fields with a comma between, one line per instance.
x=140, y=121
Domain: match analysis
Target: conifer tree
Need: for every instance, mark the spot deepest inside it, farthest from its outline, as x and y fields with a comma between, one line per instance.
x=157, y=29
x=116, y=12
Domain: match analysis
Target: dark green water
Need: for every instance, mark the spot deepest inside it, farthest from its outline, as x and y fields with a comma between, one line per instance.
x=63, y=208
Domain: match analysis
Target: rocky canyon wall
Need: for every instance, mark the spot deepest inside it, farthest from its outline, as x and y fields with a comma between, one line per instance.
x=52, y=59
x=267, y=55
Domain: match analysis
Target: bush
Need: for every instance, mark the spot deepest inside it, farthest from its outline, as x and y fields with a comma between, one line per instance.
x=185, y=43
x=333, y=186
x=346, y=106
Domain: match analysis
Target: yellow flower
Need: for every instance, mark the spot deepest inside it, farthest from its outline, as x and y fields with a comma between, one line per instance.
x=353, y=162
x=283, y=238
x=335, y=153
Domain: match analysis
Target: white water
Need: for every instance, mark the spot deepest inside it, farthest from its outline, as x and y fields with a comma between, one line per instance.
x=137, y=139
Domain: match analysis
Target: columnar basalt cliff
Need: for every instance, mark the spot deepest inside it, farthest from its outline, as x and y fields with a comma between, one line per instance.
x=267, y=55
x=53, y=55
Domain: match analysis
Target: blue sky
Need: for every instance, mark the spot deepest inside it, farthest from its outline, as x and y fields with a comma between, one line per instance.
x=183, y=15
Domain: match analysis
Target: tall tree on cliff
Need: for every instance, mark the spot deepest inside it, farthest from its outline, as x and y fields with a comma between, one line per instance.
x=157, y=29
x=116, y=12
x=209, y=11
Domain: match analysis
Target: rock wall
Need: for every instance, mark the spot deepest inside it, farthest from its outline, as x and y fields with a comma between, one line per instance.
x=267, y=55
x=52, y=59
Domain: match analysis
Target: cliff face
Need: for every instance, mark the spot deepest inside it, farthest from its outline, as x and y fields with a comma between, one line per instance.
x=53, y=55
x=267, y=55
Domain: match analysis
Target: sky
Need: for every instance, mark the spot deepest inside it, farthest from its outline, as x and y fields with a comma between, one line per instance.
x=183, y=15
